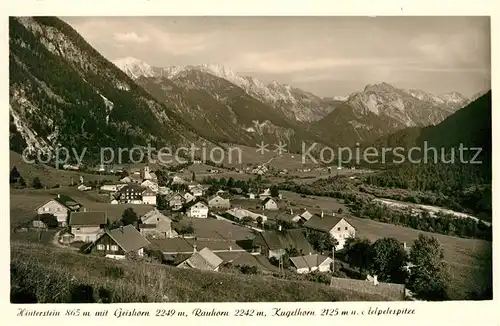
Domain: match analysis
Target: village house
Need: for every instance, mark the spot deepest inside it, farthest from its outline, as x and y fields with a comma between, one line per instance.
x=197, y=209
x=204, y=260
x=311, y=263
x=118, y=242
x=251, y=195
x=302, y=217
x=260, y=170
x=156, y=225
x=275, y=243
x=218, y=202
x=112, y=188
x=270, y=204
x=83, y=187
x=131, y=194
x=337, y=227
x=176, y=201
x=197, y=191
x=164, y=191
x=265, y=194
x=150, y=184
x=188, y=197
x=87, y=226
x=149, y=197
x=132, y=178
x=60, y=207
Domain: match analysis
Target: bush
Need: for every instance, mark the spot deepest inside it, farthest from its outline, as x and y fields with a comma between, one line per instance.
x=37, y=184
x=50, y=220
x=247, y=269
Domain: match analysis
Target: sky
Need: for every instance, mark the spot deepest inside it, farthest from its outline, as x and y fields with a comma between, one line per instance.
x=327, y=56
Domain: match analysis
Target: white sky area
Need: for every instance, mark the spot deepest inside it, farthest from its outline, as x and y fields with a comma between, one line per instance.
x=327, y=56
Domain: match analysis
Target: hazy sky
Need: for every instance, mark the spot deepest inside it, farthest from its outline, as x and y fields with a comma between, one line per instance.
x=325, y=55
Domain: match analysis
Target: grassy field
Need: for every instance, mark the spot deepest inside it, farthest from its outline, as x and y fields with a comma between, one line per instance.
x=469, y=260
x=73, y=277
x=50, y=176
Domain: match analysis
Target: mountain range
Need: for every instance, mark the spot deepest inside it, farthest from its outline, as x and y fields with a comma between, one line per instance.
x=65, y=93
x=362, y=116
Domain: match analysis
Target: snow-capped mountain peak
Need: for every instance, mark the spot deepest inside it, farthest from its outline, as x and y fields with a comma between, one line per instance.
x=134, y=67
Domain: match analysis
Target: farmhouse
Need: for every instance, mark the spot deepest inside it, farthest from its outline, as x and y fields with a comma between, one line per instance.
x=87, y=226
x=176, y=201
x=310, y=263
x=204, y=260
x=60, y=207
x=197, y=209
x=118, y=242
x=218, y=202
x=164, y=191
x=156, y=225
x=150, y=184
x=275, y=243
x=188, y=197
x=149, y=197
x=336, y=226
x=302, y=217
x=131, y=194
x=270, y=204
x=197, y=191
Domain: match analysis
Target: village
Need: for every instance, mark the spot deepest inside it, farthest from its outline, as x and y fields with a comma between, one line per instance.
x=190, y=224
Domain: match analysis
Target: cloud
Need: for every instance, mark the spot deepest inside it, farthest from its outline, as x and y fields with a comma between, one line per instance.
x=130, y=37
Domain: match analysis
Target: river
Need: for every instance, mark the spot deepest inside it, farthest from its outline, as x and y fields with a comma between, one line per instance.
x=431, y=209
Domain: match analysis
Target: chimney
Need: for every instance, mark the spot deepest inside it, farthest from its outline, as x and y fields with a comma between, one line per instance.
x=279, y=228
x=322, y=214
x=121, y=229
x=404, y=245
x=58, y=196
x=291, y=211
x=230, y=248
x=194, y=248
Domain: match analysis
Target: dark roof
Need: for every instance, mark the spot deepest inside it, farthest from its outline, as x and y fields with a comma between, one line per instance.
x=196, y=201
x=128, y=238
x=87, y=218
x=66, y=200
x=308, y=261
x=325, y=223
x=185, y=245
x=390, y=291
x=267, y=199
x=282, y=216
x=285, y=239
x=204, y=259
